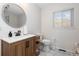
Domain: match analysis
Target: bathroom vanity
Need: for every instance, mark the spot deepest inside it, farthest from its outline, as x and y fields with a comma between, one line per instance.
x=17, y=44
x=20, y=46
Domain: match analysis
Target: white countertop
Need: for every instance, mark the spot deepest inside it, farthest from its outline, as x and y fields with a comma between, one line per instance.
x=16, y=38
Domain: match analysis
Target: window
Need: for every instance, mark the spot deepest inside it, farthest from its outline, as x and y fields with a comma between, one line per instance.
x=63, y=18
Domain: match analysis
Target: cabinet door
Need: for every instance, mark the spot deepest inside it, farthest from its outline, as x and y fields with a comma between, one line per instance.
x=20, y=49
x=34, y=46
x=5, y=51
x=29, y=47
x=26, y=48
x=12, y=50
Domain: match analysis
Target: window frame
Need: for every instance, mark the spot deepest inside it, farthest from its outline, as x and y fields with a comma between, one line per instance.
x=72, y=17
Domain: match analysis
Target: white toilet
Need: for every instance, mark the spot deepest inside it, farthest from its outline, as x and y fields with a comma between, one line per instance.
x=46, y=43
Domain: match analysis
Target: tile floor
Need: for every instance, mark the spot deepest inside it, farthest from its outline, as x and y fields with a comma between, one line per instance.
x=55, y=52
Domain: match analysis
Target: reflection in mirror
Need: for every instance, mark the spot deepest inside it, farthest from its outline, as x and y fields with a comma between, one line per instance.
x=13, y=15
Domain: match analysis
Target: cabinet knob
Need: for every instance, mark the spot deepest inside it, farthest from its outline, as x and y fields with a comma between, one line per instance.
x=37, y=42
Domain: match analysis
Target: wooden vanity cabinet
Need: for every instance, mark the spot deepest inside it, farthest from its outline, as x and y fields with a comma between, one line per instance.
x=26, y=47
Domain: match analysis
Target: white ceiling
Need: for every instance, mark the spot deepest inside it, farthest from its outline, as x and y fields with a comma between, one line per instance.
x=43, y=5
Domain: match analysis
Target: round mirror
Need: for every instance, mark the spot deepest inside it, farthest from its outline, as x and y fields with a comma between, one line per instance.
x=13, y=15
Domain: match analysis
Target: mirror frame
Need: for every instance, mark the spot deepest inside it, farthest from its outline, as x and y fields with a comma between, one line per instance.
x=3, y=18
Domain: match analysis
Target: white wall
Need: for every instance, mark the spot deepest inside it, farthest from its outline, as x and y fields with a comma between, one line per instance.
x=34, y=19
x=65, y=37
x=32, y=24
